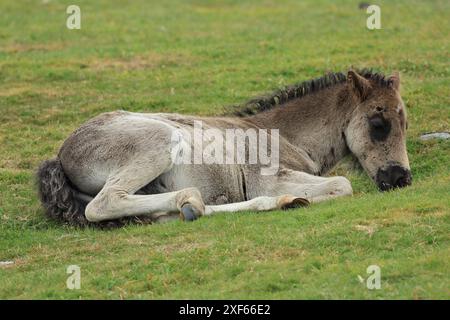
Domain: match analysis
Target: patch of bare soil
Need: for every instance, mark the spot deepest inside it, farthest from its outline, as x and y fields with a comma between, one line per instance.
x=26, y=47
x=148, y=60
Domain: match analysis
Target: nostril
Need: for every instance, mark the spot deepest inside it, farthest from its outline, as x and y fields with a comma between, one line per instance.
x=403, y=180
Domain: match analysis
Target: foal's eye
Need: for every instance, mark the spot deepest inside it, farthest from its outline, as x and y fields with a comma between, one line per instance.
x=379, y=128
x=377, y=122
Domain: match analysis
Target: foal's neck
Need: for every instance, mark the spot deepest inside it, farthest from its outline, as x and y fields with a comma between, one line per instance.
x=315, y=122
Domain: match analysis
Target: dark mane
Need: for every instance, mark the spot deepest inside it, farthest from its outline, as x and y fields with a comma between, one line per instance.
x=301, y=89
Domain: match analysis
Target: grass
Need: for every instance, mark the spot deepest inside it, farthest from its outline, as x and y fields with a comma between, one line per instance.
x=196, y=57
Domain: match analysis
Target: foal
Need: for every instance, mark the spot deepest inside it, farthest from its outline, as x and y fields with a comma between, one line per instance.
x=122, y=164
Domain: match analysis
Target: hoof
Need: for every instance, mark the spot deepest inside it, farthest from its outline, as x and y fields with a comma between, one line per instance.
x=189, y=213
x=294, y=203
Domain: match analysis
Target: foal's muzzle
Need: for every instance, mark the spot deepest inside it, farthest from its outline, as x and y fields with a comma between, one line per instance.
x=394, y=176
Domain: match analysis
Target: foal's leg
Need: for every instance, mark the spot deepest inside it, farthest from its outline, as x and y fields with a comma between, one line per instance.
x=117, y=198
x=313, y=188
x=335, y=187
x=259, y=204
x=290, y=189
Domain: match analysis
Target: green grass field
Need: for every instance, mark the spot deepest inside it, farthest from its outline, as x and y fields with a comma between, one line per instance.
x=196, y=57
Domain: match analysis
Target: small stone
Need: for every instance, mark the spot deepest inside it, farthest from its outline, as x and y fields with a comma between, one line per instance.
x=435, y=135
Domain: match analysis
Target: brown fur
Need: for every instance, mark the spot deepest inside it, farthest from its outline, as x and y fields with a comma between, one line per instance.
x=320, y=111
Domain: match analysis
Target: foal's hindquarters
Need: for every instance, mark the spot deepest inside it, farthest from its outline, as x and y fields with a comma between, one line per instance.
x=122, y=164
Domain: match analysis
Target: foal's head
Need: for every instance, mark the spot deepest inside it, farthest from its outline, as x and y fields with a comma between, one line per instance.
x=376, y=132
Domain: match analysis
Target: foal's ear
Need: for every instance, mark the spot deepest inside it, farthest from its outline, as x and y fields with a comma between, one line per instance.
x=394, y=80
x=360, y=85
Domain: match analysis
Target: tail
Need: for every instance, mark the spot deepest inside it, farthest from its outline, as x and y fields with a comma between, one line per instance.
x=61, y=203
x=58, y=196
